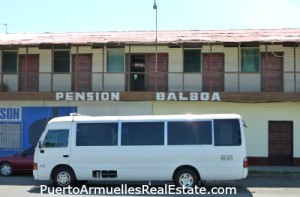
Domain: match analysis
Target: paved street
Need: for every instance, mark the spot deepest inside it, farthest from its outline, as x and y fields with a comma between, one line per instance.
x=258, y=184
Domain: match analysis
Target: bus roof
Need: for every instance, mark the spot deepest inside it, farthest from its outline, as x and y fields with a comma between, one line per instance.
x=84, y=118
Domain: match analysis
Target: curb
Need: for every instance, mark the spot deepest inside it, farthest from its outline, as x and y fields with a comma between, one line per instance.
x=274, y=172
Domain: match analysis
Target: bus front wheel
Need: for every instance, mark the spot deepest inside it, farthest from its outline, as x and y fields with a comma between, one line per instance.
x=64, y=176
x=186, y=178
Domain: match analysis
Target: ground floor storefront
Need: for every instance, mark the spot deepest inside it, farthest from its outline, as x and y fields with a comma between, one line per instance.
x=272, y=133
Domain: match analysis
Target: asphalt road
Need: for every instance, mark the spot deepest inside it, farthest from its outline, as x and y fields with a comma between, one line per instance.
x=255, y=185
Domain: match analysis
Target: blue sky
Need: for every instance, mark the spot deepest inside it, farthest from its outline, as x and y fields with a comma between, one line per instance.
x=26, y=16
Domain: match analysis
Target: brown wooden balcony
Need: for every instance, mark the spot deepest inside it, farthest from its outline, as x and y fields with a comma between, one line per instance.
x=143, y=86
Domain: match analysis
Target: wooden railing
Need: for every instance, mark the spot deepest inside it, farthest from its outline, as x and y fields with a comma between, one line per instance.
x=288, y=82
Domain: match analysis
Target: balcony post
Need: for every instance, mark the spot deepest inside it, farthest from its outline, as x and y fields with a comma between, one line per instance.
x=52, y=68
x=295, y=76
x=128, y=72
x=239, y=66
x=26, y=63
x=210, y=69
x=1, y=67
x=75, y=69
x=103, y=62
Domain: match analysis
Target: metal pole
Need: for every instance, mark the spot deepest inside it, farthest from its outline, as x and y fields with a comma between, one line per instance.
x=155, y=7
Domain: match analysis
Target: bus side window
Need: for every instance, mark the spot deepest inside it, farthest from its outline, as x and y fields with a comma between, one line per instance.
x=190, y=133
x=142, y=133
x=97, y=134
x=56, y=138
x=227, y=132
x=114, y=134
x=125, y=136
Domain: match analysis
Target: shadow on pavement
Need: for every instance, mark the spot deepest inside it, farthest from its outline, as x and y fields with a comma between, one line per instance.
x=269, y=180
x=20, y=179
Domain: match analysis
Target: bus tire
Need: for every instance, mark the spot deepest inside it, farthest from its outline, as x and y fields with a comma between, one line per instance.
x=63, y=177
x=186, y=178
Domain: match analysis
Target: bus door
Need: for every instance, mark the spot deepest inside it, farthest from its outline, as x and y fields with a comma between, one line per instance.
x=53, y=149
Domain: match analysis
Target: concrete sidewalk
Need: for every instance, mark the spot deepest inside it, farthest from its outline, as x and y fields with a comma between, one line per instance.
x=274, y=169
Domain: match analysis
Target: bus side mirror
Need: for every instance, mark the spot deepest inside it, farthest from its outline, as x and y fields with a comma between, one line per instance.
x=244, y=124
x=40, y=144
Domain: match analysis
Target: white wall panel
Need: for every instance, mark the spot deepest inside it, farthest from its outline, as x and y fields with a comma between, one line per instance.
x=288, y=82
x=45, y=61
x=97, y=82
x=175, y=60
x=175, y=82
x=97, y=60
x=298, y=82
x=114, y=82
x=193, y=82
x=62, y=82
x=250, y=83
x=44, y=82
x=231, y=59
x=231, y=82
x=11, y=80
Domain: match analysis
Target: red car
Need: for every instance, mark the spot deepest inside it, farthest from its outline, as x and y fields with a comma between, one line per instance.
x=20, y=162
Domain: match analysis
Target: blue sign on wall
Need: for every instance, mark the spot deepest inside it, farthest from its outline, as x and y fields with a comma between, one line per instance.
x=10, y=113
x=34, y=120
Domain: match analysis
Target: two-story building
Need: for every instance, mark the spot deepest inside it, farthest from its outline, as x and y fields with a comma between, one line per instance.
x=255, y=73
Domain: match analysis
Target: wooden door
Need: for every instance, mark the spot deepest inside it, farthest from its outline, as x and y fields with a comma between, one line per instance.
x=272, y=77
x=29, y=72
x=213, y=72
x=281, y=143
x=82, y=72
x=159, y=78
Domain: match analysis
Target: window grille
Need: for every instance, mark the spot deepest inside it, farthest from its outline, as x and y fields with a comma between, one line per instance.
x=11, y=136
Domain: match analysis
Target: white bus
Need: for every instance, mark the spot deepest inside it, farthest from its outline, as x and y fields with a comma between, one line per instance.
x=185, y=149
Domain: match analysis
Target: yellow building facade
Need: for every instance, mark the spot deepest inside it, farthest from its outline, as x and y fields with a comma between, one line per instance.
x=254, y=73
